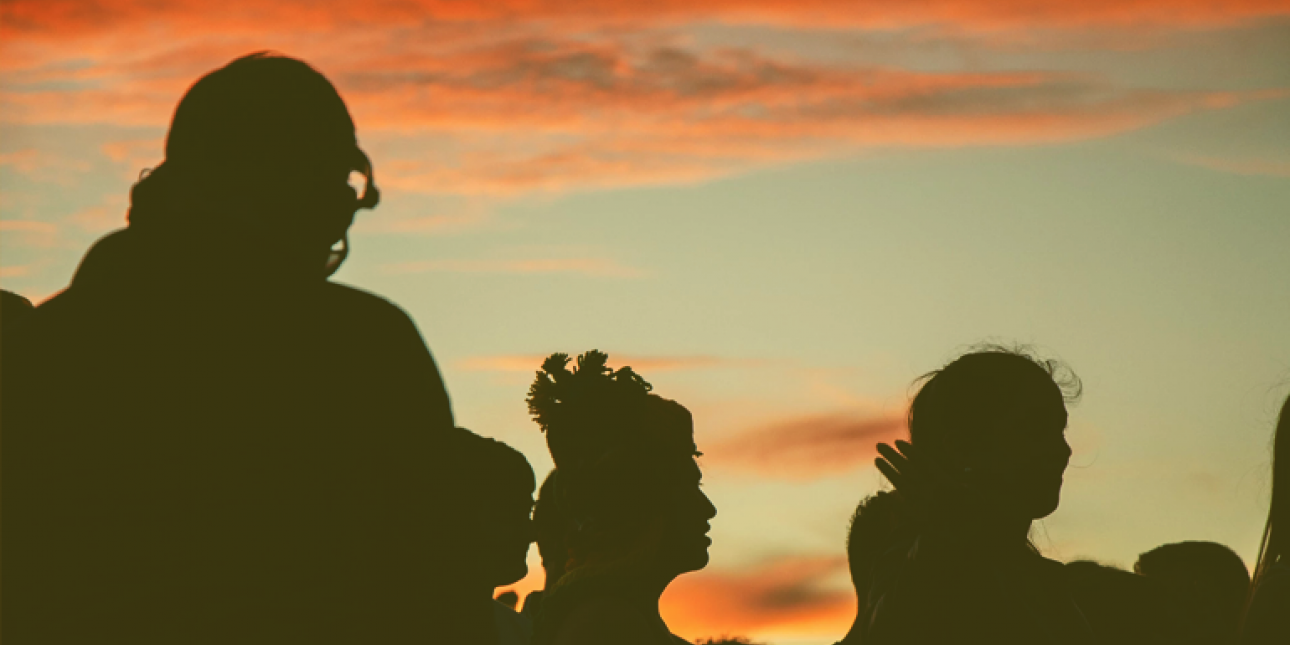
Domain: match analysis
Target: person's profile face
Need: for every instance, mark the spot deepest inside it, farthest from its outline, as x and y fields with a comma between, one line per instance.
x=1028, y=459
x=683, y=529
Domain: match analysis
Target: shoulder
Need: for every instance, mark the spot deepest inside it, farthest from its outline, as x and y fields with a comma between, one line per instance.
x=362, y=302
x=354, y=310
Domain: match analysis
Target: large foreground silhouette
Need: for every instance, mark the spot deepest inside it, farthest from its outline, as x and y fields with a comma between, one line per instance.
x=205, y=440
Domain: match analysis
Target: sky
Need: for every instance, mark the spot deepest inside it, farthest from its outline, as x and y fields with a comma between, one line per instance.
x=781, y=214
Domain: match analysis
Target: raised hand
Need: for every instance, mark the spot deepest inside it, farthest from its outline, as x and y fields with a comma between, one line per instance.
x=930, y=489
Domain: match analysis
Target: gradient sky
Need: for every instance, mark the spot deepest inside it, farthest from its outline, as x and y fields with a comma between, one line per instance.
x=781, y=213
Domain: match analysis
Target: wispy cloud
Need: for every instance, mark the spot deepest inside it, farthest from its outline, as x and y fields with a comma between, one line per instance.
x=594, y=267
x=27, y=226
x=83, y=17
x=786, y=594
x=808, y=447
x=43, y=166
x=514, y=97
x=1239, y=165
x=643, y=364
x=15, y=271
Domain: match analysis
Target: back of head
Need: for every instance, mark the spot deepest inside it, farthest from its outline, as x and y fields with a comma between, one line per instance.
x=1208, y=580
x=486, y=496
x=14, y=309
x=259, y=152
x=880, y=523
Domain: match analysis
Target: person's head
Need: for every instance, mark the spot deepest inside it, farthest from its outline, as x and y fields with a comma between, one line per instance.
x=998, y=417
x=14, y=309
x=1207, y=580
x=881, y=522
x=258, y=164
x=551, y=527
x=628, y=478
x=488, y=493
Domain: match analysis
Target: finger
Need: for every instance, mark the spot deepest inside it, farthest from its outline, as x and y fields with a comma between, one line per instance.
x=904, y=457
x=893, y=457
x=889, y=472
x=906, y=448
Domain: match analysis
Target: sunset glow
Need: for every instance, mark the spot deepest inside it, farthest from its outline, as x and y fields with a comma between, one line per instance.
x=781, y=213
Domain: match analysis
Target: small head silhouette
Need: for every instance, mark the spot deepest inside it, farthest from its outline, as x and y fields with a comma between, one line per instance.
x=1208, y=581
x=880, y=522
x=14, y=309
x=487, y=528
x=258, y=162
x=998, y=416
x=627, y=474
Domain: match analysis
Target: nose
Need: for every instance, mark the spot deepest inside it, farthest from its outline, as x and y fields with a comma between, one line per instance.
x=709, y=509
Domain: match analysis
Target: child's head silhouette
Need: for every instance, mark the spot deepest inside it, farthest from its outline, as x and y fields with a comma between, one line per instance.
x=488, y=500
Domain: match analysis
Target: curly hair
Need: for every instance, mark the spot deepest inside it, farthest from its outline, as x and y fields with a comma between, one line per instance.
x=610, y=437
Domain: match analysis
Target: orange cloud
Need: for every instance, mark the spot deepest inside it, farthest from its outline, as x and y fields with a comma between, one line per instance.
x=511, y=97
x=810, y=446
x=596, y=267
x=790, y=594
x=27, y=226
x=81, y=17
x=15, y=271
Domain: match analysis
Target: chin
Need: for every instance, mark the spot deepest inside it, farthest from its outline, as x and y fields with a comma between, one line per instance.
x=1046, y=507
x=697, y=561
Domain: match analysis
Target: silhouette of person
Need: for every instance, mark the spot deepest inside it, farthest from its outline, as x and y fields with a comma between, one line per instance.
x=1126, y=608
x=205, y=440
x=880, y=523
x=986, y=455
x=485, y=541
x=629, y=482
x=14, y=311
x=1206, y=581
x=1267, y=617
x=551, y=526
x=13, y=308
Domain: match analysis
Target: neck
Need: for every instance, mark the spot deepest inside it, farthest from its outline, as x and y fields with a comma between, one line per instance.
x=645, y=592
